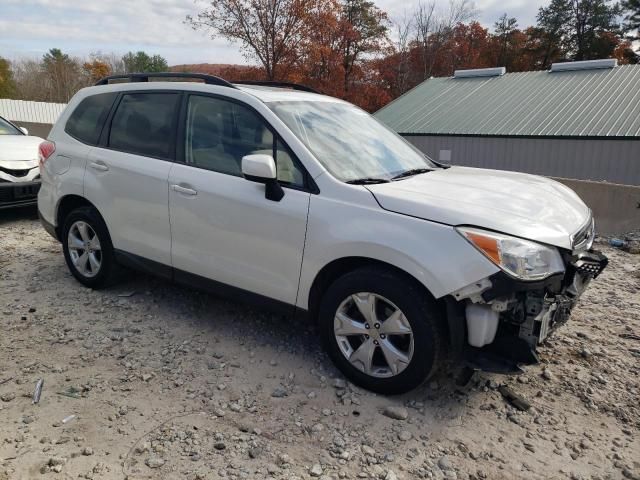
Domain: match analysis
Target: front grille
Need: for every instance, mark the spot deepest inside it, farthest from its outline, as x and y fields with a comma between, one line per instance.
x=6, y=195
x=16, y=173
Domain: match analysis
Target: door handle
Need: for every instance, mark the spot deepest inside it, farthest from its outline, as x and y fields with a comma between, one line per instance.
x=99, y=166
x=183, y=190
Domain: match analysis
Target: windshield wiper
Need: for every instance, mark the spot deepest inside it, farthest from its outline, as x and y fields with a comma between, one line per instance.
x=367, y=181
x=412, y=172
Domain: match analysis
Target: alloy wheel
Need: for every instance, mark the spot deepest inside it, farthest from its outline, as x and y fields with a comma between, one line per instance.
x=84, y=249
x=373, y=334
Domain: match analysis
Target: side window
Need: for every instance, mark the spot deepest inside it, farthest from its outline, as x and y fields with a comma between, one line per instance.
x=289, y=173
x=86, y=121
x=144, y=124
x=219, y=133
x=208, y=135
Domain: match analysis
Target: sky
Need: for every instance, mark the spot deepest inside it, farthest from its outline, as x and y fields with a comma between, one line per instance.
x=28, y=28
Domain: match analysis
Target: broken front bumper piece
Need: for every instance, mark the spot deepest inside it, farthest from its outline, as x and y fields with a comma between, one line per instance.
x=502, y=320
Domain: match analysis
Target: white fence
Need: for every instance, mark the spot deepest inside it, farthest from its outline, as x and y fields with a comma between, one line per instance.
x=31, y=112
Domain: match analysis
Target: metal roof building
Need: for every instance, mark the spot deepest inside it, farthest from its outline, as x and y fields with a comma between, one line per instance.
x=578, y=120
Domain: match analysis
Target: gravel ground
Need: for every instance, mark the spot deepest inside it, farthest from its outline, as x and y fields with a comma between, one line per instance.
x=152, y=380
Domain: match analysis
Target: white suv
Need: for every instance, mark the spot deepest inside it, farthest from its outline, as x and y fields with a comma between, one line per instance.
x=306, y=203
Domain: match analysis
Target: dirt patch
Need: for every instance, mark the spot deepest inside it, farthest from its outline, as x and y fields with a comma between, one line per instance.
x=152, y=380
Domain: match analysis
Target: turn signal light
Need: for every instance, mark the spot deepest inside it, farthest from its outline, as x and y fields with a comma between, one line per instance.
x=487, y=245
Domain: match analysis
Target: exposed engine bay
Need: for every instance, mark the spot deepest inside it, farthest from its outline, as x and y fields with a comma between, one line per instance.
x=506, y=319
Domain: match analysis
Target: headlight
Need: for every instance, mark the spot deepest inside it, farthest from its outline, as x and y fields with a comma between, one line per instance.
x=520, y=258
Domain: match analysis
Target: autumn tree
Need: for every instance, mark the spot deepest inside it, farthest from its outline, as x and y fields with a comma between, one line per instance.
x=270, y=31
x=143, y=62
x=465, y=48
x=95, y=70
x=7, y=83
x=320, y=61
x=114, y=62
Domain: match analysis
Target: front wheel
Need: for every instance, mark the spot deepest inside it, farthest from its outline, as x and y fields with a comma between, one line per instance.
x=381, y=330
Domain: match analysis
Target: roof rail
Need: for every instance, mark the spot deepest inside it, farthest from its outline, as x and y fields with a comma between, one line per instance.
x=292, y=86
x=144, y=77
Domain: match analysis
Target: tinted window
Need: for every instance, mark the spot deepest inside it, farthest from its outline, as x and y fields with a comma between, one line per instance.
x=219, y=133
x=144, y=124
x=85, y=123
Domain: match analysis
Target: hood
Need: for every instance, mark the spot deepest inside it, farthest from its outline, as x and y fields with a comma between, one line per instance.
x=19, y=151
x=518, y=204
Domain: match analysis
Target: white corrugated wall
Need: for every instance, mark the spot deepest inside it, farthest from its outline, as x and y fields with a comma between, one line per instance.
x=32, y=112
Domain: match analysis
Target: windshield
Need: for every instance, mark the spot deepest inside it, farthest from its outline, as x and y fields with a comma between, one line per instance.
x=7, y=129
x=349, y=142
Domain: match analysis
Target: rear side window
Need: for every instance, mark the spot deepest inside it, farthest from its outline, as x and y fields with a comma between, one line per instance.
x=86, y=121
x=144, y=124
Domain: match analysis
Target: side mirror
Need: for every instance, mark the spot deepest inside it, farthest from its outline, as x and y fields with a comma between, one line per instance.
x=262, y=169
x=24, y=130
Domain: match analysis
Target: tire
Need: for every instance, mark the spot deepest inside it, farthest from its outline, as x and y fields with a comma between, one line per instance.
x=90, y=276
x=418, y=310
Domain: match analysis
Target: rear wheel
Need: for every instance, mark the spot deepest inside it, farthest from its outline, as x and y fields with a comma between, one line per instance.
x=381, y=330
x=87, y=248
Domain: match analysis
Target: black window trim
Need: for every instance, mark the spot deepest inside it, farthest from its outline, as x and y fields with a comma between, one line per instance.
x=84, y=142
x=309, y=186
x=106, y=129
x=11, y=124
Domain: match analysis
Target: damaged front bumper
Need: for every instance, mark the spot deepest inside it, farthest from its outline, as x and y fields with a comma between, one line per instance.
x=497, y=324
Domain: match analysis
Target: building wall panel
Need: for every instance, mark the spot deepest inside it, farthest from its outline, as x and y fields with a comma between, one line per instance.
x=616, y=161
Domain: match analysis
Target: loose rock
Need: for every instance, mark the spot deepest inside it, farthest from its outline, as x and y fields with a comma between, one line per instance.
x=397, y=413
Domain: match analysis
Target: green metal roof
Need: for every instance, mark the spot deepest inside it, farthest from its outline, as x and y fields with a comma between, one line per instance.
x=584, y=103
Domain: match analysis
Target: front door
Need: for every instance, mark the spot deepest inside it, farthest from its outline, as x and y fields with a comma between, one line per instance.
x=222, y=226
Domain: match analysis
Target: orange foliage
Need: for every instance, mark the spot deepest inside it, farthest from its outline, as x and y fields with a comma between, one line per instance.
x=341, y=48
x=96, y=70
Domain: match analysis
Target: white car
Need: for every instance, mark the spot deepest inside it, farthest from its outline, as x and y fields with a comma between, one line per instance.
x=306, y=203
x=19, y=173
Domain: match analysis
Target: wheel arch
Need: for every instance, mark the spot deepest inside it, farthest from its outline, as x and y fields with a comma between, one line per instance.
x=340, y=266
x=66, y=205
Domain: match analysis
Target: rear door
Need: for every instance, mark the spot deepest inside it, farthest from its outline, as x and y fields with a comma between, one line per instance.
x=127, y=174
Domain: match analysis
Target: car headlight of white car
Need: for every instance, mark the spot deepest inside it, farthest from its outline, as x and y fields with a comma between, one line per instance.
x=523, y=259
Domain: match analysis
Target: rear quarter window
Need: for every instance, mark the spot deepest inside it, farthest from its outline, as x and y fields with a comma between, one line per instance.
x=87, y=120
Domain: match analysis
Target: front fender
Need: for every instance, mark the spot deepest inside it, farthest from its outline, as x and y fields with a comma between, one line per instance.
x=434, y=254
